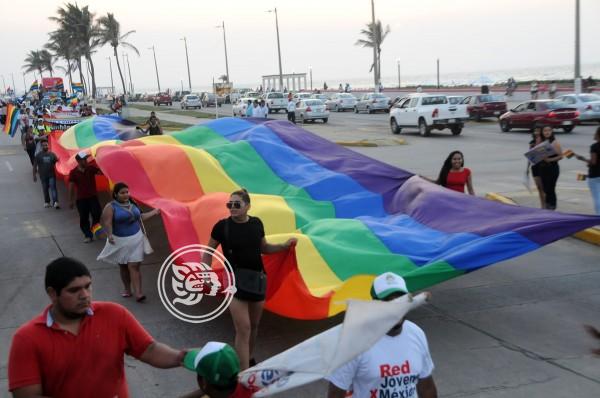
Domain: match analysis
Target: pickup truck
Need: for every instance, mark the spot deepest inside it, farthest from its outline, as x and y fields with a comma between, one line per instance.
x=163, y=98
x=275, y=101
x=427, y=112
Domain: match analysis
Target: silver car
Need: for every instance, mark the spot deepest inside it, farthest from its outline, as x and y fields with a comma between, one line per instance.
x=322, y=97
x=340, y=102
x=311, y=109
x=372, y=102
x=588, y=105
x=191, y=101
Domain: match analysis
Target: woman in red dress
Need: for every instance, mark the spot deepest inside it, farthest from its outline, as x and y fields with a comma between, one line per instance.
x=454, y=175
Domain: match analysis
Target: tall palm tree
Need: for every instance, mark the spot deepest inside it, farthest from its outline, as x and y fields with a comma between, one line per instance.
x=109, y=32
x=62, y=47
x=374, y=35
x=34, y=62
x=78, y=25
x=47, y=61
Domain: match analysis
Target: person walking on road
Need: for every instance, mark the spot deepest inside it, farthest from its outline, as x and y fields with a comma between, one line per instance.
x=83, y=180
x=291, y=110
x=549, y=170
x=536, y=139
x=263, y=109
x=534, y=90
x=398, y=365
x=122, y=220
x=242, y=238
x=76, y=347
x=30, y=144
x=454, y=175
x=249, y=109
x=44, y=166
x=593, y=176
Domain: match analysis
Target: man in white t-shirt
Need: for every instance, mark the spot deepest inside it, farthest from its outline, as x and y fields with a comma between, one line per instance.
x=264, y=109
x=398, y=365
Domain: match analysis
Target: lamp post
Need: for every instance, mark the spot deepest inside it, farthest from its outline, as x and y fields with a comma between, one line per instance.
x=155, y=66
x=438, y=73
x=112, y=84
x=24, y=84
x=13, y=80
x=399, y=85
x=222, y=26
x=130, y=79
x=375, y=63
x=577, y=51
x=310, y=72
x=278, y=48
x=187, y=60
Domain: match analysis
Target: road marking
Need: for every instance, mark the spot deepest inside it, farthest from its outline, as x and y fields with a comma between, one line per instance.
x=8, y=165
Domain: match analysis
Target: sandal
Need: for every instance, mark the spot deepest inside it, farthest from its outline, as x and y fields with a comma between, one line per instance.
x=126, y=294
x=140, y=299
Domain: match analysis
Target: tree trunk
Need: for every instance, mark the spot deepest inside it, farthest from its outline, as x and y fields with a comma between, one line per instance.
x=70, y=75
x=120, y=72
x=85, y=84
x=92, y=76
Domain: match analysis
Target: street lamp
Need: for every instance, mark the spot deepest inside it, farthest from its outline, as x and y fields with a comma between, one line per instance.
x=155, y=66
x=399, y=85
x=310, y=72
x=278, y=48
x=112, y=84
x=222, y=26
x=187, y=60
x=577, y=51
x=130, y=79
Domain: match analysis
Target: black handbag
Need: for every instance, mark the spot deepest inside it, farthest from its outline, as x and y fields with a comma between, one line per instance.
x=247, y=280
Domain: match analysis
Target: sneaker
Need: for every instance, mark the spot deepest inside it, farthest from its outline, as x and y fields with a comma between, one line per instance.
x=46, y=205
x=56, y=206
x=87, y=240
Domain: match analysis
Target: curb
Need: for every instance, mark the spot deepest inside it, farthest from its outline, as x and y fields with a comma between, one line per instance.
x=590, y=235
x=356, y=143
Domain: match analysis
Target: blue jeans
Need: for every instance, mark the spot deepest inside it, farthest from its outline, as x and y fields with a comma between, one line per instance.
x=594, y=184
x=49, y=183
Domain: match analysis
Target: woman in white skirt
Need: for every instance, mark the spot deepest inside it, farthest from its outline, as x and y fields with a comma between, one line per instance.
x=122, y=221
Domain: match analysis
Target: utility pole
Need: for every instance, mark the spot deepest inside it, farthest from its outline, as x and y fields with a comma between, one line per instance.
x=399, y=85
x=13, y=80
x=155, y=66
x=187, y=60
x=577, y=51
x=438, y=73
x=310, y=70
x=222, y=26
x=112, y=84
x=24, y=84
x=375, y=63
x=278, y=49
x=130, y=79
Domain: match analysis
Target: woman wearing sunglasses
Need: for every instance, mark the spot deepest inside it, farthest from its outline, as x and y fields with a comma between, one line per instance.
x=242, y=238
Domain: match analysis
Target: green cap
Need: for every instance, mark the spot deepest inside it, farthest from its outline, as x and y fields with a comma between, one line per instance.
x=216, y=362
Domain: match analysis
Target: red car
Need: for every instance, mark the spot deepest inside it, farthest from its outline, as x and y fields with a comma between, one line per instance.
x=163, y=98
x=485, y=105
x=540, y=112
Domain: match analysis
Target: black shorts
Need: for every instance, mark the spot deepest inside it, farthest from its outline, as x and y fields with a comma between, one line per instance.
x=535, y=170
x=247, y=296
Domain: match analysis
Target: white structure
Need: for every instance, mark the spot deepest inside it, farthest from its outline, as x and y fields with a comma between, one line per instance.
x=291, y=82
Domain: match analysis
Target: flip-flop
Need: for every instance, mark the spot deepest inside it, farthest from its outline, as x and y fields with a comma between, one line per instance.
x=126, y=294
x=140, y=299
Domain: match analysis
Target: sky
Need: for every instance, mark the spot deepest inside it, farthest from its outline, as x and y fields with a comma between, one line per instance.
x=466, y=35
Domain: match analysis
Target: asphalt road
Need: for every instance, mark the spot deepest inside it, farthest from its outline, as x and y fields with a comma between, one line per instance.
x=511, y=330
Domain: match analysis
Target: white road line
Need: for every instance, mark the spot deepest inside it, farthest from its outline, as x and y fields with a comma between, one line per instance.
x=8, y=165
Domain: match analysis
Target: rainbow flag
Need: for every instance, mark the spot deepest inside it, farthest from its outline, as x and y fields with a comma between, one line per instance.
x=76, y=87
x=34, y=86
x=354, y=217
x=12, y=120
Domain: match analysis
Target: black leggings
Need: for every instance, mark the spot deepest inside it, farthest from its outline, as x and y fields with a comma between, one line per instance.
x=88, y=207
x=549, y=173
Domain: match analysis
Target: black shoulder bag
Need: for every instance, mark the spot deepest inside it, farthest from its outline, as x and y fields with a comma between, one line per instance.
x=247, y=280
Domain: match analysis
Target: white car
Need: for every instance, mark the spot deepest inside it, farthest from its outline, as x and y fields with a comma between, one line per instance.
x=311, y=109
x=588, y=105
x=427, y=112
x=275, y=101
x=340, y=102
x=240, y=106
x=301, y=95
x=322, y=97
x=191, y=101
x=372, y=102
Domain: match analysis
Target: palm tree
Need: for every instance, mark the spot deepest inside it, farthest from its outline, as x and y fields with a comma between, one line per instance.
x=47, y=61
x=78, y=25
x=109, y=32
x=374, y=35
x=62, y=47
x=34, y=62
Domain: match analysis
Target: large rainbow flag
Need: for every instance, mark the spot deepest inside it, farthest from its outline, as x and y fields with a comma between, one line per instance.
x=354, y=217
x=12, y=120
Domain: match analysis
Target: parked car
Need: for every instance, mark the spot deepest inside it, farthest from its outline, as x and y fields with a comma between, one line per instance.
x=275, y=101
x=149, y=97
x=252, y=94
x=311, y=109
x=534, y=113
x=339, y=102
x=455, y=99
x=302, y=95
x=395, y=101
x=178, y=96
x=210, y=99
x=191, y=101
x=427, y=112
x=372, y=102
x=163, y=98
x=588, y=105
x=239, y=107
x=485, y=105
x=322, y=97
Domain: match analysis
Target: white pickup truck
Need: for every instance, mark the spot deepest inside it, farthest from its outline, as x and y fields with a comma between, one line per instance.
x=427, y=112
x=275, y=101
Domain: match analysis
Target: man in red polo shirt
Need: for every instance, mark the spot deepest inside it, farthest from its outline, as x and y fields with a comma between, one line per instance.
x=83, y=177
x=75, y=347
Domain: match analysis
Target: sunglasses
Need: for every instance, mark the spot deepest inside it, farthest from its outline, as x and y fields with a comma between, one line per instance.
x=234, y=205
